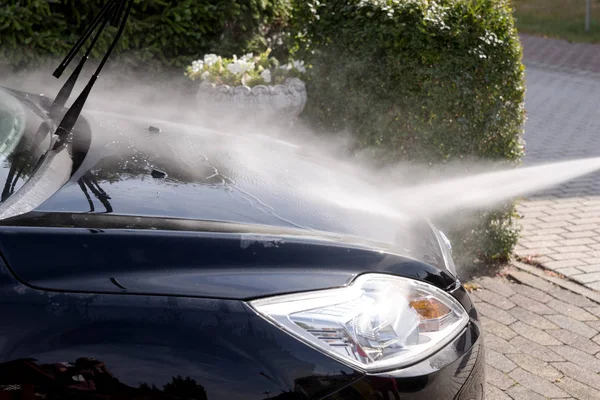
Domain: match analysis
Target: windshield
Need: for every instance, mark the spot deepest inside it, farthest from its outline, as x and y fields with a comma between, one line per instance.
x=24, y=140
x=12, y=123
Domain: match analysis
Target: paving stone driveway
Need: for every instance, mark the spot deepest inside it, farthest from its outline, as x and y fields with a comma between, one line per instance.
x=542, y=341
x=561, y=226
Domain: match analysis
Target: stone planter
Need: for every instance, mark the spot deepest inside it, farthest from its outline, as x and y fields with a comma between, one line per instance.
x=286, y=100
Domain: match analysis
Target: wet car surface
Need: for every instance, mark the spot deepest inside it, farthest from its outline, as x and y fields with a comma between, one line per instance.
x=138, y=263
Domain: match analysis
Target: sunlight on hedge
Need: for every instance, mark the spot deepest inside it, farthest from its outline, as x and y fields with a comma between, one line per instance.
x=428, y=81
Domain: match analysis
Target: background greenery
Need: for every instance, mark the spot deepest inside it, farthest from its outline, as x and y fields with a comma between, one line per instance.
x=159, y=33
x=415, y=80
x=563, y=19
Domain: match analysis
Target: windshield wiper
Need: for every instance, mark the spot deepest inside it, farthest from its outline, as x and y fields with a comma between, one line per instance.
x=116, y=12
x=101, y=19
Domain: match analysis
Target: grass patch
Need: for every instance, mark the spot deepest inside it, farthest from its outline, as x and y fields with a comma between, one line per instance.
x=564, y=19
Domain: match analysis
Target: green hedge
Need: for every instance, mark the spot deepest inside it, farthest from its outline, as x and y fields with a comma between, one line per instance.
x=426, y=80
x=159, y=33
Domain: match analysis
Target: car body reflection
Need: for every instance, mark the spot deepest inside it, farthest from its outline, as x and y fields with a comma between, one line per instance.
x=89, y=378
x=86, y=378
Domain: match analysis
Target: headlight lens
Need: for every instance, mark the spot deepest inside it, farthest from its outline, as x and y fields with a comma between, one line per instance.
x=379, y=322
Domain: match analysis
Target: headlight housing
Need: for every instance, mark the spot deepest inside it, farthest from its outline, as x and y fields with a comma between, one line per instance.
x=379, y=322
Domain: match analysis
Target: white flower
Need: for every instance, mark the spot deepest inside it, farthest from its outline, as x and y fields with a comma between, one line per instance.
x=247, y=57
x=240, y=66
x=246, y=65
x=266, y=75
x=210, y=59
x=299, y=65
x=197, y=65
x=205, y=75
x=234, y=67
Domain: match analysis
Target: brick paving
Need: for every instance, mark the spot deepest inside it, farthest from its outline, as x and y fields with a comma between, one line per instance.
x=542, y=341
x=561, y=226
x=561, y=53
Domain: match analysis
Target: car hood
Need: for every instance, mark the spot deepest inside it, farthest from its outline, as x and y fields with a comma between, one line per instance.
x=167, y=170
x=157, y=207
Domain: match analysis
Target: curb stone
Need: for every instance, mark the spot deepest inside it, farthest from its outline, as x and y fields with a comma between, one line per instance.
x=541, y=274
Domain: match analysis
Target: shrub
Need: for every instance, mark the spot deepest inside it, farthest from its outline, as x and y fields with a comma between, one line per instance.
x=29, y=29
x=427, y=80
x=159, y=32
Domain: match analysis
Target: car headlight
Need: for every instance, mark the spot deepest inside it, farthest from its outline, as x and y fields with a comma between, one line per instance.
x=379, y=322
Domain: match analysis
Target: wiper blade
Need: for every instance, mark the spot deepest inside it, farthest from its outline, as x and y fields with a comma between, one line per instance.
x=86, y=35
x=65, y=91
x=119, y=11
x=70, y=118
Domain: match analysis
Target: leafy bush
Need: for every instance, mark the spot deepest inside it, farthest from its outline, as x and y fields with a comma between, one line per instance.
x=29, y=28
x=427, y=80
x=159, y=32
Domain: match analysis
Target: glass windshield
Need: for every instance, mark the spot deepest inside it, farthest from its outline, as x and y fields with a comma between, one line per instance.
x=12, y=123
x=24, y=140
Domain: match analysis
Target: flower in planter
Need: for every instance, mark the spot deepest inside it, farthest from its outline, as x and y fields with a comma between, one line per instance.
x=197, y=66
x=210, y=59
x=295, y=64
x=248, y=70
x=266, y=75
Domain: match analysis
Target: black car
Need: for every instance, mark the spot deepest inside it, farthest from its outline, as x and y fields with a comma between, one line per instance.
x=135, y=269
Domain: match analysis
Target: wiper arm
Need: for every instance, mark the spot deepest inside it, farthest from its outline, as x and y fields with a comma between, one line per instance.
x=65, y=91
x=119, y=11
x=86, y=34
x=70, y=118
